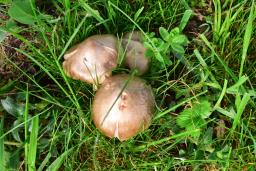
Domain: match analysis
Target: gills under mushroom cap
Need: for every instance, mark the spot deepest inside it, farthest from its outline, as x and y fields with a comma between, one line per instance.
x=92, y=60
x=123, y=106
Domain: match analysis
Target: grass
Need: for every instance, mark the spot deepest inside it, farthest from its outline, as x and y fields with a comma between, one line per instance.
x=46, y=120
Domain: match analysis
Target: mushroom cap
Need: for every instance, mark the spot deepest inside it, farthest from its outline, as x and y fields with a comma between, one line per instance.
x=92, y=60
x=135, y=52
x=123, y=106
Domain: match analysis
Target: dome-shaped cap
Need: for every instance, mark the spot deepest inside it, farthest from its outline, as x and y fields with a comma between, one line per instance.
x=123, y=106
x=92, y=60
x=135, y=52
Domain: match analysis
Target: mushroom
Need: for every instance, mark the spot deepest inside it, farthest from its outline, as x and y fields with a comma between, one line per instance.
x=135, y=52
x=123, y=106
x=92, y=60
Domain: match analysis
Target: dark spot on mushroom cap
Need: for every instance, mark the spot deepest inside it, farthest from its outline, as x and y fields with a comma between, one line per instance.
x=122, y=109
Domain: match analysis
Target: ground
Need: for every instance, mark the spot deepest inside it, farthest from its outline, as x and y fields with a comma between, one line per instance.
x=202, y=73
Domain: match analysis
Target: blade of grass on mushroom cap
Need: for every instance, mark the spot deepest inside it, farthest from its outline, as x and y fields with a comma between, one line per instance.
x=125, y=85
x=96, y=80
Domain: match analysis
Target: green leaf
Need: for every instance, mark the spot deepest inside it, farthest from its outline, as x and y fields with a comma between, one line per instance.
x=22, y=12
x=175, y=31
x=149, y=53
x=163, y=47
x=15, y=132
x=193, y=118
x=164, y=33
x=185, y=19
x=159, y=58
x=12, y=107
x=167, y=61
x=180, y=39
x=12, y=26
x=190, y=121
x=176, y=48
x=137, y=14
x=203, y=109
x=147, y=45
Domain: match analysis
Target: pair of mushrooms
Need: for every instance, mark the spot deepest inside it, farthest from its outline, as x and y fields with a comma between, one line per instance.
x=123, y=105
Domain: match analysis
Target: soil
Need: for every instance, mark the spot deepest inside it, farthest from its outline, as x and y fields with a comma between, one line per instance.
x=7, y=51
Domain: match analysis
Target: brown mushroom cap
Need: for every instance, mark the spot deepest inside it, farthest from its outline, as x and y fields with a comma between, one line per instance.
x=135, y=52
x=123, y=106
x=92, y=60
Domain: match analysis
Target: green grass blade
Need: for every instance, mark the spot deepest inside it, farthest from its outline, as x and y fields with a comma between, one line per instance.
x=177, y=136
x=47, y=72
x=161, y=114
x=23, y=123
x=225, y=66
x=67, y=14
x=26, y=128
x=252, y=138
x=234, y=88
x=71, y=38
x=217, y=19
x=44, y=162
x=34, y=81
x=204, y=65
x=221, y=94
x=33, y=144
x=156, y=51
x=58, y=162
x=2, y=157
x=247, y=38
x=240, y=110
x=95, y=14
